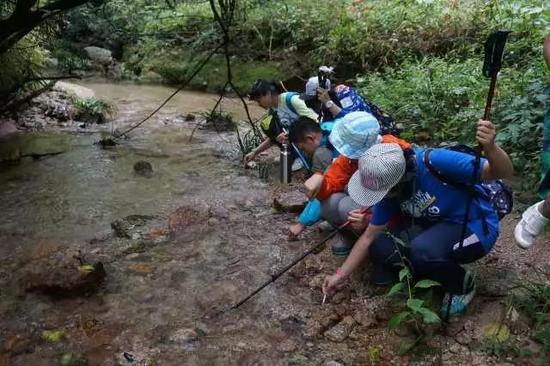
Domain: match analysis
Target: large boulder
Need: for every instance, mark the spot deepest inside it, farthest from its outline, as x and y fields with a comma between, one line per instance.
x=62, y=275
x=74, y=89
x=99, y=55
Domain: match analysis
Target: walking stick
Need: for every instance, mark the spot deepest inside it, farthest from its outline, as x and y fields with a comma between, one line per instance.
x=494, y=49
x=274, y=277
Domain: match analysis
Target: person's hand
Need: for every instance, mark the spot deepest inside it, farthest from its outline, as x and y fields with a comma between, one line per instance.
x=486, y=134
x=295, y=230
x=249, y=157
x=322, y=95
x=358, y=219
x=282, y=138
x=333, y=283
x=313, y=185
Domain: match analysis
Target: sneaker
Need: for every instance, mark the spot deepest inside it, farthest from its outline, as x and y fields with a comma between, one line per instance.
x=531, y=224
x=341, y=248
x=325, y=226
x=458, y=303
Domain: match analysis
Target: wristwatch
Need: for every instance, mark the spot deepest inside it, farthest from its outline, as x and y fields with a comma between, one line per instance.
x=329, y=104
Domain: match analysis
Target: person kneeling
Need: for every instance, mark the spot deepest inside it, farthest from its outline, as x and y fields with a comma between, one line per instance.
x=391, y=182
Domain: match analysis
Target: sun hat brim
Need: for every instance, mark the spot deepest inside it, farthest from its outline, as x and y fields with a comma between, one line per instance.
x=363, y=196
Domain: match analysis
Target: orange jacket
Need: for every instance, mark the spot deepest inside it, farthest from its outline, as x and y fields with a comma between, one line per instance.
x=339, y=173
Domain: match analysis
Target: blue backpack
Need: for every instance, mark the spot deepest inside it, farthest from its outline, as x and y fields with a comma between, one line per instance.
x=351, y=101
x=495, y=191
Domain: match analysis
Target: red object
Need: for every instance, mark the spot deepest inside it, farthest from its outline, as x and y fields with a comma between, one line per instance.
x=339, y=173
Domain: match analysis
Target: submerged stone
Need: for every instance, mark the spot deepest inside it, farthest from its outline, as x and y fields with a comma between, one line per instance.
x=143, y=168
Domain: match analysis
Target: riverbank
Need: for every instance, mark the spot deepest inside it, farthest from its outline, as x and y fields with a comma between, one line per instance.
x=192, y=236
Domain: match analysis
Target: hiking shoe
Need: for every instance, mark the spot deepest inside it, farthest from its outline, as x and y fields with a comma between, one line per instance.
x=458, y=303
x=531, y=224
x=325, y=226
x=341, y=248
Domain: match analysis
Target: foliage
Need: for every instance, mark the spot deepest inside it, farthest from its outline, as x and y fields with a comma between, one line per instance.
x=535, y=302
x=93, y=109
x=416, y=297
x=218, y=120
x=439, y=101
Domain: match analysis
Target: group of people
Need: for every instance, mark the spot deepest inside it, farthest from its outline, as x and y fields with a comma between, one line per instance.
x=444, y=203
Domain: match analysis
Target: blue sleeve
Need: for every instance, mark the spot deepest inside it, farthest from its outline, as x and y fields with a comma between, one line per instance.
x=455, y=166
x=383, y=211
x=311, y=213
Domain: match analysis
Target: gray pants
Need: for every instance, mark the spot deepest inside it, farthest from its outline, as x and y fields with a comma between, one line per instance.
x=336, y=211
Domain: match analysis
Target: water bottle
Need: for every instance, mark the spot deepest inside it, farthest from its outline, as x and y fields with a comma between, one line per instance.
x=285, y=164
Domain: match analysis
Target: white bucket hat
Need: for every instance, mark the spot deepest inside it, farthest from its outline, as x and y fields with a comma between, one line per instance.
x=380, y=169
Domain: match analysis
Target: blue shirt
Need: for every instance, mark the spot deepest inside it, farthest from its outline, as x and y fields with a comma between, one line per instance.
x=435, y=201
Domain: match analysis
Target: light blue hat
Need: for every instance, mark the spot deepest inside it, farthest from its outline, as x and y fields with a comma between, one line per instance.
x=354, y=134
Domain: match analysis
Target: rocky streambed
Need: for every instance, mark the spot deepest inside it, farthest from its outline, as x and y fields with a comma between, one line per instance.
x=126, y=255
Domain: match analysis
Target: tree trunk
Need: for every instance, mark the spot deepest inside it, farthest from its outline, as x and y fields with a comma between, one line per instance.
x=25, y=17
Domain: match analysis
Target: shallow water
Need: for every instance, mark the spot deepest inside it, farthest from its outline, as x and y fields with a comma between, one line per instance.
x=68, y=201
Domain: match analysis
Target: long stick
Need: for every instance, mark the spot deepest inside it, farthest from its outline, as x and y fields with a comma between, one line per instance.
x=296, y=261
x=492, y=64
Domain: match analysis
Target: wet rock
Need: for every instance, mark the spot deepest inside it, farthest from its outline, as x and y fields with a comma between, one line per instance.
x=458, y=349
x=220, y=212
x=187, y=216
x=73, y=359
x=142, y=268
x=317, y=281
x=143, y=168
x=365, y=319
x=16, y=344
x=74, y=89
x=313, y=264
x=190, y=117
x=131, y=227
x=184, y=336
x=292, y=201
x=65, y=277
x=299, y=360
x=339, y=297
x=464, y=338
x=7, y=128
x=518, y=322
x=312, y=329
x=99, y=55
x=152, y=77
x=287, y=346
x=340, y=331
x=498, y=283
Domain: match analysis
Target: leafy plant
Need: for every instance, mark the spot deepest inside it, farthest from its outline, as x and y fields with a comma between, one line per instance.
x=534, y=300
x=416, y=305
x=93, y=110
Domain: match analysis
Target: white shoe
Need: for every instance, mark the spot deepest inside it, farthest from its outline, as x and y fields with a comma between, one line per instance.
x=531, y=224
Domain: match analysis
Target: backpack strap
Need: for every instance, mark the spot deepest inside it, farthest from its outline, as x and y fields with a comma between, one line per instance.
x=288, y=101
x=470, y=189
x=436, y=173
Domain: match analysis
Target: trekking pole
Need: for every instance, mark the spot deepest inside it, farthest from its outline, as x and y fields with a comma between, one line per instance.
x=298, y=152
x=274, y=277
x=494, y=49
